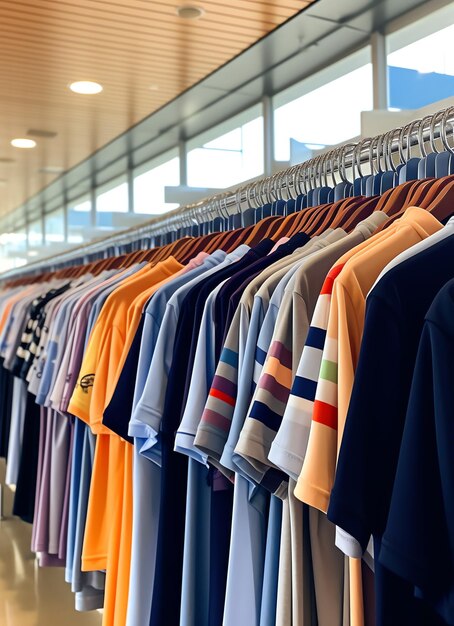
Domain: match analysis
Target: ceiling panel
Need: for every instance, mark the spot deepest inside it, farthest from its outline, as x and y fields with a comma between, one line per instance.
x=142, y=53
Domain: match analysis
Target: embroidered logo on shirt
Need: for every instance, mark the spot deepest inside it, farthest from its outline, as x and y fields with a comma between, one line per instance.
x=86, y=382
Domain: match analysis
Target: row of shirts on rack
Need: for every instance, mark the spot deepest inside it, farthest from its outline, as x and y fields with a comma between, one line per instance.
x=212, y=432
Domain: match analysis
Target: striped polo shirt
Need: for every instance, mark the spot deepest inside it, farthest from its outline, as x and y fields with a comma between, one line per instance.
x=289, y=446
x=270, y=397
x=234, y=377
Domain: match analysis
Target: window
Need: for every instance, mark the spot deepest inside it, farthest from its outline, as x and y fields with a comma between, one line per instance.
x=54, y=227
x=150, y=183
x=111, y=198
x=79, y=220
x=229, y=153
x=13, y=249
x=35, y=234
x=311, y=115
x=421, y=61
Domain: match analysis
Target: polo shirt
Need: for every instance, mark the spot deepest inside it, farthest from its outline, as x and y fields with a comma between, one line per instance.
x=339, y=362
x=26, y=351
x=201, y=378
x=153, y=372
x=400, y=301
x=167, y=588
x=271, y=393
x=120, y=397
x=87, y=585
x=42, y=374
x=289, y=446
x=231, y=389
x=85, y=320
x=418, y=541
x=146, y=475
x=260, y=348
x=112, y=458
x=15, y=325
x=247, y=544
x=235, y=286
x=106, y=343
x=118, y=563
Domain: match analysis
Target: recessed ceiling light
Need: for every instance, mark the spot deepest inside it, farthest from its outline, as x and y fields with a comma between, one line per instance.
x=189, y=12
x=32, y=253
x=86, y=87
x=153, y=87
x=21, y=142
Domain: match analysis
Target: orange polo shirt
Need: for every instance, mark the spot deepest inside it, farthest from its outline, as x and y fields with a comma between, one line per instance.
x=107, y=538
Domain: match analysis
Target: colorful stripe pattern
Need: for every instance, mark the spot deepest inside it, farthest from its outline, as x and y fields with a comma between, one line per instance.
x=313, y=366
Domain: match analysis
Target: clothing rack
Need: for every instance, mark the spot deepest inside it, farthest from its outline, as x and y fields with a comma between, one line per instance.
x=370, y=155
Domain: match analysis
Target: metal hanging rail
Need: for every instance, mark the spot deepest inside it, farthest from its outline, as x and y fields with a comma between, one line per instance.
x=377, y=153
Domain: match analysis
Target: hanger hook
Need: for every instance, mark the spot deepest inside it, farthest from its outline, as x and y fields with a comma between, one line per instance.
x=238, y=193
x=260, y=193
x=371, y=155
x=390, y=148
x=317, y=171
x=279, y=187
x=361, y=146
x=331, y=168
x=323, y=172
x=342, y=162
x=298, y=178
x=385, y=143
x=289, y=183
x=433, y=123
x=312, y=174
x=255, y=198
x=267, y=184
x=421, y=141
x=414, y=126
x=402, y=132
x=448, y=114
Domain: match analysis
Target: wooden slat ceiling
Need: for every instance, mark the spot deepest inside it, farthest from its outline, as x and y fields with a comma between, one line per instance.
x=142, y=53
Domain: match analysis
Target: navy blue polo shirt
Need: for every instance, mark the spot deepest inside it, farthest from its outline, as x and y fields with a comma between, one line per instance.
x=169, y=558
x=369, y=452
x=232, y=290
x=418, y=544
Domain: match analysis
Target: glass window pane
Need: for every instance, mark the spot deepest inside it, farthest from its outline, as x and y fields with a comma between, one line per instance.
x=110, y=200
x=318, y=117
x=421, y=62
x=79, y=220
x=13, y=249
x=35, y=233
x=54, y=227
x=149, y=187
x=229, y=153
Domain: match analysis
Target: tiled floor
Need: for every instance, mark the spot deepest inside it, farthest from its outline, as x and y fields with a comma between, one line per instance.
x=29, y=595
